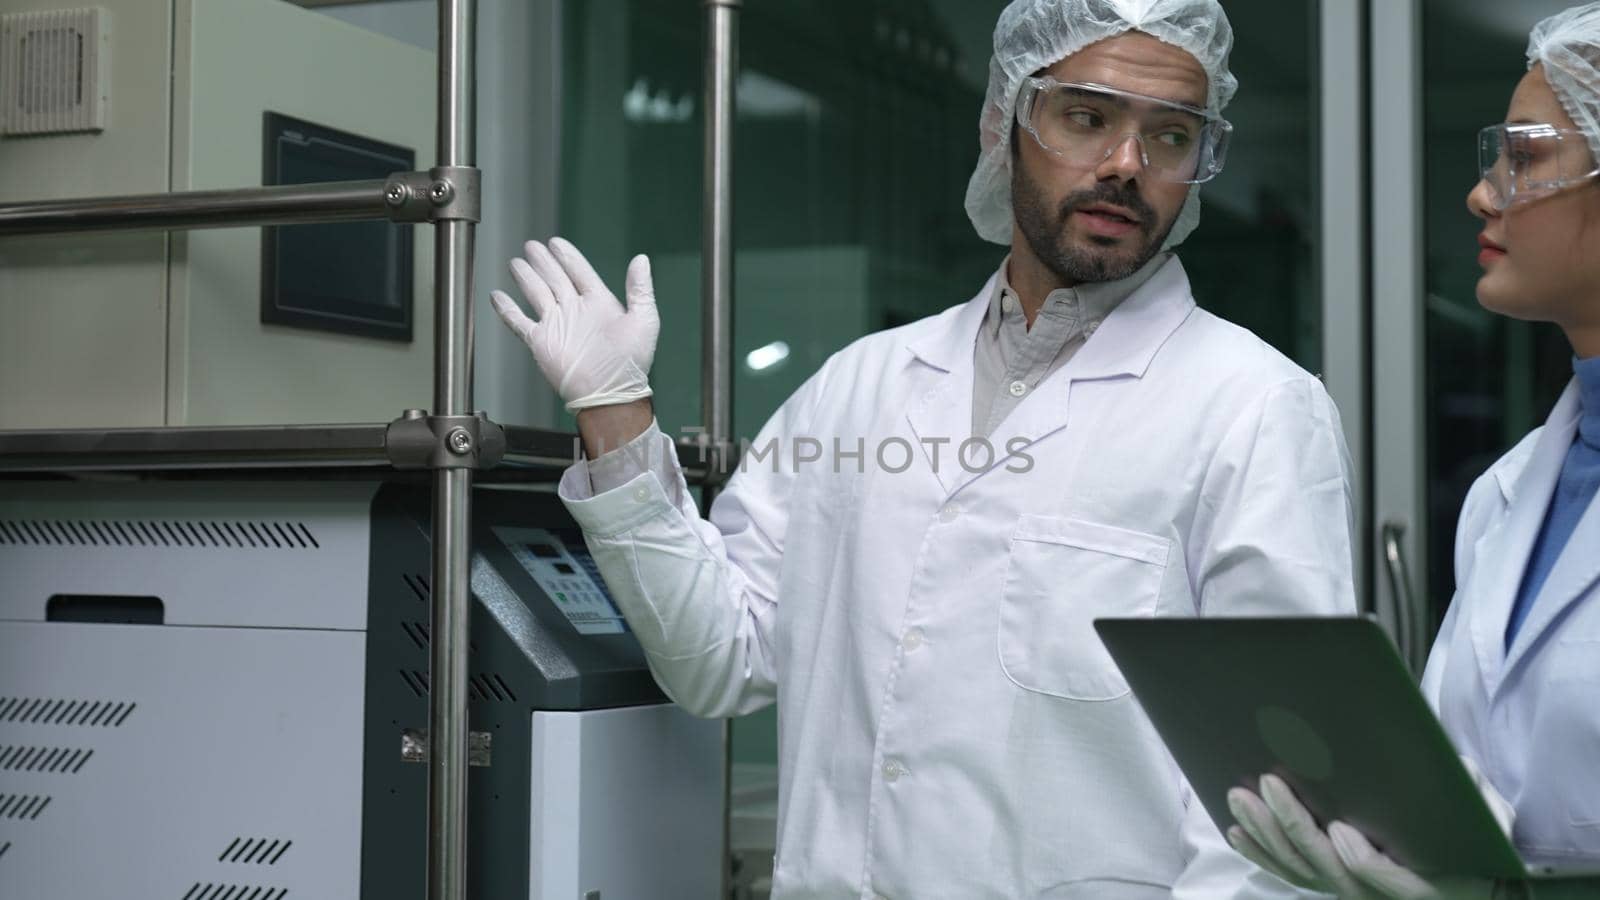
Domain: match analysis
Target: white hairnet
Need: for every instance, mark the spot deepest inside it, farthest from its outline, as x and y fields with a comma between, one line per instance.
x=1568, y=43
x=1035, y=34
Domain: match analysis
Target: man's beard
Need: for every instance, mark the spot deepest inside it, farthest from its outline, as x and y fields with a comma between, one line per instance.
x=1045, y=229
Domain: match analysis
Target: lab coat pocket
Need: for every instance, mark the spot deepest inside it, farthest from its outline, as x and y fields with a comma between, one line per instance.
x=1063, y=574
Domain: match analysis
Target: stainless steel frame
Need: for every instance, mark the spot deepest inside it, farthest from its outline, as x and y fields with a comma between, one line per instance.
x=446, y=196
x=398, y=197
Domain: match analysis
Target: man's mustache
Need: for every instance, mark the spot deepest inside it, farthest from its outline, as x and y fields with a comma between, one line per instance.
x=1124, y=194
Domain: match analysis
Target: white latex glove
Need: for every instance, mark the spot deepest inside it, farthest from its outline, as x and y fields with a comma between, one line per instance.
x=1277, y=833
x=593, y=351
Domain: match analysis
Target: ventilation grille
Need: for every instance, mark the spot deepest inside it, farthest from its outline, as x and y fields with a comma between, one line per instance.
x=255, y=851
x=37, y=711
x=156, y=533
x=22, y=806
x=490, y=686
x=419, y=587
x=486, y=686
x=209, y=891
x=416, y=681
x=4, y=847
x=52, y=80
x=60, y=760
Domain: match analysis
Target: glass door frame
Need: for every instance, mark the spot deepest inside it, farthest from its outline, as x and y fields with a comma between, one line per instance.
x=1397, y=522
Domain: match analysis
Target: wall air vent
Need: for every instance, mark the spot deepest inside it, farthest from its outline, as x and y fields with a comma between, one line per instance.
x=53, y=77
x=156, y=533
x=44, y=760
x=44, y=711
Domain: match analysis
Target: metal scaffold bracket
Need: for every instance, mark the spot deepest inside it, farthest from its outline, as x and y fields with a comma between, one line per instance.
x=417, y=440
x=441, y=194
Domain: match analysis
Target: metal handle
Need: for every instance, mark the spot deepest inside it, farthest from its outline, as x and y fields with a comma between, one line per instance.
x=716, y=382
x=1409, y=621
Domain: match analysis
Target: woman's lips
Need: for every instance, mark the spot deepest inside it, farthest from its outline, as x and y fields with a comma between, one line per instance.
x=1490, y=252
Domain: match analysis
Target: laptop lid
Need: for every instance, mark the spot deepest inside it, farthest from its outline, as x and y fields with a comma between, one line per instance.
x=1326, y=704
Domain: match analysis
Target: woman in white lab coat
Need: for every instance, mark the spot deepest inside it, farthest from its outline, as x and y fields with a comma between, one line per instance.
x=1515, y=672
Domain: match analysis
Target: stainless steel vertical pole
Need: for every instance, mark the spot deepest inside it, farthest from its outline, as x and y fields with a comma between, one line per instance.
x=716, y=267
x=452, y=259
x=716, y=383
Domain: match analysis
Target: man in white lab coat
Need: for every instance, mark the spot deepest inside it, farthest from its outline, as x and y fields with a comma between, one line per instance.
x=913, y=552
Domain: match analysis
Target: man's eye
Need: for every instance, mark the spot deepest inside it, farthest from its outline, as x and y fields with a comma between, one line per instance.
x=1174, y=138
x=1086, y=118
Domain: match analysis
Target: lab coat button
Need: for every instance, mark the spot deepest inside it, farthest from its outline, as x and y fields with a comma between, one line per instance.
x=912, y=640
x=641, y=493
x=893, y=771
x=950, y=513
x=1018, y=389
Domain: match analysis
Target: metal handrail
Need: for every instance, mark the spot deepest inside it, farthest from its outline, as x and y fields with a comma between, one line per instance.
x=277, y=205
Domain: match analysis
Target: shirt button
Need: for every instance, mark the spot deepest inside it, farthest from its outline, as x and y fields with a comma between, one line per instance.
x=912, y=640
x=950, y=513
x=893, y=771
x=1089, y=331
x=1018, y=389
x=1008, y=303
x=641, y=493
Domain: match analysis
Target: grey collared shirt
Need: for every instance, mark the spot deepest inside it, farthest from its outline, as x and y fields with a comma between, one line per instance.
x=1010, y=359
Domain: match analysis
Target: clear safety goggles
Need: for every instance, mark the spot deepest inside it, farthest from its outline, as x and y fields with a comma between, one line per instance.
x=1521, y=163
x=1085, y=123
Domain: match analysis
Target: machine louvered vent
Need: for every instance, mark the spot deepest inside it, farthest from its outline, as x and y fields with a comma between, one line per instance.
x=489, y=686
x=44, y=760
x=255, y=851
x=26, y=807
x=486, y=686
x=52, y=73
x=209, y=891
x=157, y=533
x=46, y=711
x=4, y=847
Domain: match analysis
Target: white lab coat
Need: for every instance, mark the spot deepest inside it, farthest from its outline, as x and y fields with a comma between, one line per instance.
x=1530, y=719
x=949, y=724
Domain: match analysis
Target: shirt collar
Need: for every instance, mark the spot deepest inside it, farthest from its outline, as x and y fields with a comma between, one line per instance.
x=1090, y=302
x=1588, y=372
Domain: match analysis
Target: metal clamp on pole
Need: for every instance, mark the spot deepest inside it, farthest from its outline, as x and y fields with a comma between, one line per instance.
x=417, y=440
x=441, y=194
